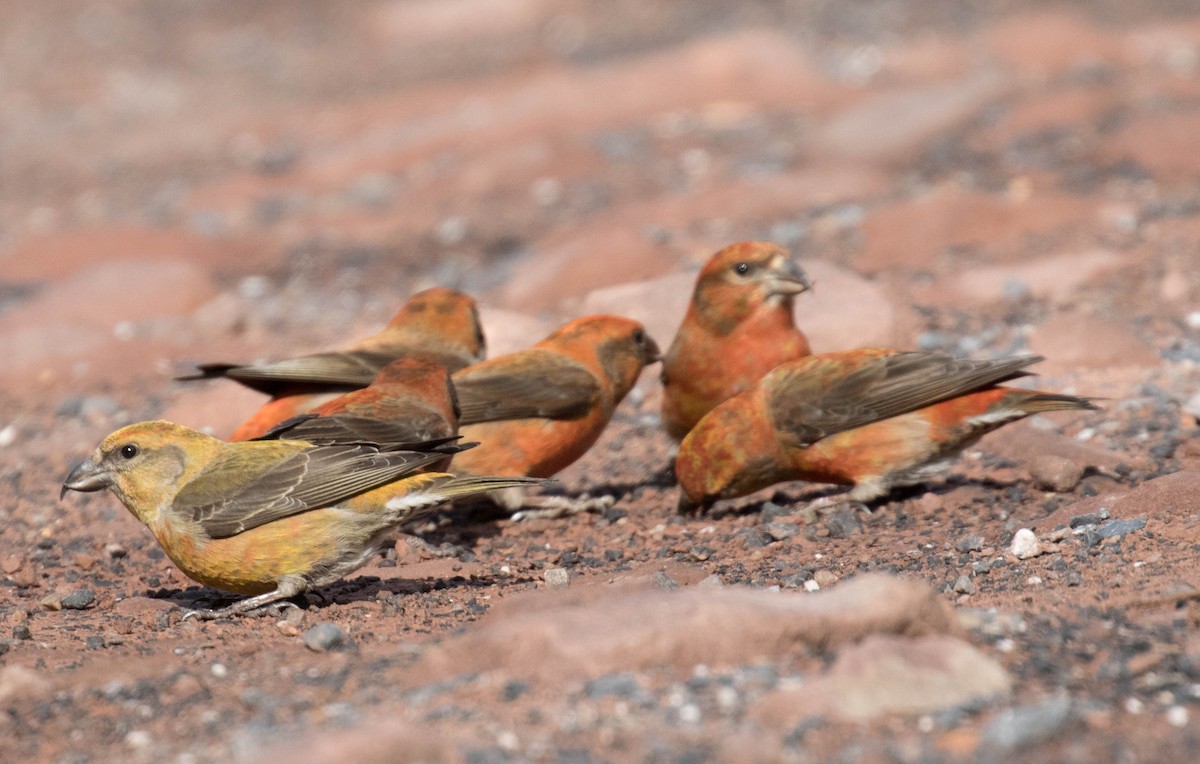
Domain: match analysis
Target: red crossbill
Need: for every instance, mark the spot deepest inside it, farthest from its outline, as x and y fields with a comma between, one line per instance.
x=536, y=411
x=739, y=326
x=871, y=419
x=438, y=325
x=269, y=518
x=410, y=400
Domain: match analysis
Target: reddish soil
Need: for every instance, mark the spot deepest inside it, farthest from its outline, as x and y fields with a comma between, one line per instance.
x=233, y=181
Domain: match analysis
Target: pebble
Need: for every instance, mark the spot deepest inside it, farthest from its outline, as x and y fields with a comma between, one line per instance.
x=12, y=563
x=1118, y=528
x=811, y=585
x=825, y=578
x=1177, y=716
x=964, y=585
x=1025, y=544
x=843, y=523
x=1055, y=473
x=1023, y=726
x=781, y=531
x=21, y=631
x=557, y=578
x=80, y=599
x=115, y=551
x=969, y=543
x=324, y=636
x=52, y=602
x=711, y=582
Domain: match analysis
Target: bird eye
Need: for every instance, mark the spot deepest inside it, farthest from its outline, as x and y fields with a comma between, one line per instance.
x=128, y=451
x=639, y=336
x=741, y=268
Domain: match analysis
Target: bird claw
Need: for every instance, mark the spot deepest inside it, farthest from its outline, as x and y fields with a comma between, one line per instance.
x=204, y=614
x=555, y=507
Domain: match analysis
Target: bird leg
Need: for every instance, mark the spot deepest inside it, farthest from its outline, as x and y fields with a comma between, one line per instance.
x=554, y=507
x=284, y=589
x=863, y=492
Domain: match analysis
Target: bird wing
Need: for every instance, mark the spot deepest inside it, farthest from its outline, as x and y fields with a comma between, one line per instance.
x=834, y=392
x=343, y=429
x=350, y=368
x=536, y=384
x=235, y=493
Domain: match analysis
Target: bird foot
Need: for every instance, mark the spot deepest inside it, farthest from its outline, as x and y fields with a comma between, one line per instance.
x=555, y=507
x=815, y=509
x=239, y=608
x=441, y=551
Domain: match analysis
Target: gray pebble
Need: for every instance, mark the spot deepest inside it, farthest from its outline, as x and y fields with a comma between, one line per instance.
x=80, y=599
x=843, y=523
x=969, y=543
x=1117, y=528
x=663, y=581
x=964, y=585
x=557, y=578
x=324, y=636
x=781, y=531
x=1023, y=726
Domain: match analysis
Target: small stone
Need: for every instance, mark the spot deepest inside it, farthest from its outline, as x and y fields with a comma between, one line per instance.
x=1118, y=528
x=781, y=531
x=52, y=602
x=1079, y=521
x=711, y=582
x=811, y=585
x=324, y=637
x=21, y=631
x=969, y=543
x=843, y=523
x=663, y=581
x=1023, y=726
x=138, y=739
x=1177, y=716
x=964, y=585
x=557, y=578
x=1025, y=545
x=115, y=551
x=1055, y=473
x=825, y=578
x=80, y=599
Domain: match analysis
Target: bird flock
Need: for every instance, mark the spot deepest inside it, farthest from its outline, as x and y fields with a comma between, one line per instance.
x=356, y=442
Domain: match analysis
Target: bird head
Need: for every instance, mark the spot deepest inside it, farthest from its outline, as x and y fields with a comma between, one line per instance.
x=143, y=464
x=743, y=278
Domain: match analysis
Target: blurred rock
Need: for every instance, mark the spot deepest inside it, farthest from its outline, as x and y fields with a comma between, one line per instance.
x=592, y=633
x=1055, y=473
x=1071, y=340
x=888, y=674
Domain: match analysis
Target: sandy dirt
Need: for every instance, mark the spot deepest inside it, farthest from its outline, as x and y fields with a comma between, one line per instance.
x=228, y=181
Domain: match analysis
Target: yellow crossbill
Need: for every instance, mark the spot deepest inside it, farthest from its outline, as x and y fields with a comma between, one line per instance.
x=270, y=518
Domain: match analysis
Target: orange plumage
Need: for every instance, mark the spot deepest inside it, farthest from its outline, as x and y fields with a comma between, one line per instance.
x=873, y=419
x=739, y=326
x=536, y=411
x=438, y=325
x=410, y=401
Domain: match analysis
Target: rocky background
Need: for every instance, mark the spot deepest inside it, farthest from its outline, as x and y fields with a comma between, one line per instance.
x=235, y=181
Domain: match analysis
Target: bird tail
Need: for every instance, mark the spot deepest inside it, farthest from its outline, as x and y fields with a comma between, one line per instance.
x=1037, y=402
x=207, y=371
x=425, y=492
